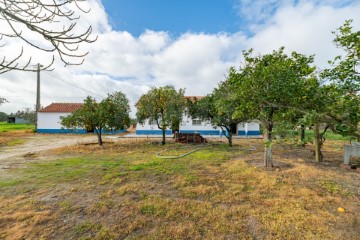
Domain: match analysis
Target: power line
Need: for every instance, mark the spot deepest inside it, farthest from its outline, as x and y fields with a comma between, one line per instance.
x=74, y=85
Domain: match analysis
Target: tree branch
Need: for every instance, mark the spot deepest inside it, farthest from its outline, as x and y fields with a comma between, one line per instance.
x=39, y=17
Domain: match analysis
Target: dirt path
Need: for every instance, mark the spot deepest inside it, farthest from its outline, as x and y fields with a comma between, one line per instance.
x=14, y=156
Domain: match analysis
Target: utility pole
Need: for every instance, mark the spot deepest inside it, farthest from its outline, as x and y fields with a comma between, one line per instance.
x=37, y=107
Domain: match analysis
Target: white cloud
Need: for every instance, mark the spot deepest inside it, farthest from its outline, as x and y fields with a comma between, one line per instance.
x=257, y=11
x=305, y=28
x=119, y=61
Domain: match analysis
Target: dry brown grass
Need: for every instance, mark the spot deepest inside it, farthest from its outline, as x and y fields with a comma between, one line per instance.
x=6, y=137
x=122, y=191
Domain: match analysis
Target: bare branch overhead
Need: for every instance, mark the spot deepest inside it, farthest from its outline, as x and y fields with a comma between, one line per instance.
x=54, y=21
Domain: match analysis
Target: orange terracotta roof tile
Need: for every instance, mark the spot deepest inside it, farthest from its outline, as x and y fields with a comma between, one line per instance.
x=192, y=98
x=62, y=107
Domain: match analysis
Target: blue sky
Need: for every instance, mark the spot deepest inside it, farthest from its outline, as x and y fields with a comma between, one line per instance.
x=179, y=16
x=206, y=16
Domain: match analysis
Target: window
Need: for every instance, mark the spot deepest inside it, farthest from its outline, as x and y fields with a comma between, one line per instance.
x=196, y=122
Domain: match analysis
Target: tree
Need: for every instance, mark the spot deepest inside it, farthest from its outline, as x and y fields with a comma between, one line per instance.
x=344, y=76
x=219, y=107
x=164, y=105
x=268, y=86
x=3, y=117
x=110, y=114
x=49, y=26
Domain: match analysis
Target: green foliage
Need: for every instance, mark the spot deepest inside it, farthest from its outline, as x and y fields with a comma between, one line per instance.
x=3, y=117
x=164, y=105
x=28, y=114
x=219, y=107
x=133, y=121
x=344, y=110
x=272, y=87
x=345, y=71
x=273, y=82
x=110, y=114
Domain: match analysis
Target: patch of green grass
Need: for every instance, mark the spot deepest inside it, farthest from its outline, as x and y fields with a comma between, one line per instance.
x=6, y=183
x=148, y=209
x=7, y=127
x=332, y=187
x=87, y=226
x=151, y=209
x=329, y=135
x=62, y=171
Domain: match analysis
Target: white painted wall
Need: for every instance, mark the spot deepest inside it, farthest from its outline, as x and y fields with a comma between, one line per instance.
x=147, y=126
x=252, y=126
x=241, y=127
x=50, y=120
x=187, y=124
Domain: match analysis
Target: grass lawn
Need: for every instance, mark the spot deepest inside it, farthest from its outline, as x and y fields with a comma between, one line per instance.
x=12, y=134
x=329, y=135
x=7, y=127
x=122, y=190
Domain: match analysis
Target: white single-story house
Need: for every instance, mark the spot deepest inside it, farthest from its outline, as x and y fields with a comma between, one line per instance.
x=49, y=119
x=189, y=125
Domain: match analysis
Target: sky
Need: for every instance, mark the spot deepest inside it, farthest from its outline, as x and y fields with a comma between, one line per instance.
x=189, y=44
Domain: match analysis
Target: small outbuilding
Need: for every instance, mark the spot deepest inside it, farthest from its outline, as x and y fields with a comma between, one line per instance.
x=17, y=120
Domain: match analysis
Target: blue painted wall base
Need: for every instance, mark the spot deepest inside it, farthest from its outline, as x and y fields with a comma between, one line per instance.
x=202, y=132
x=75, y=131
x=152, y=132
x=253, y=133
x=249, y=133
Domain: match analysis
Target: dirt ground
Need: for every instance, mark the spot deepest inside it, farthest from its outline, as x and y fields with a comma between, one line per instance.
x=35, y=145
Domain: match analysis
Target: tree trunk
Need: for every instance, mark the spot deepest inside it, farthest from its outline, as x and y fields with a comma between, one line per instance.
x=163, y=136
x=98, y=133
x=230, y=139
x=302, y=135
x=317, y=142
x=268, y=149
